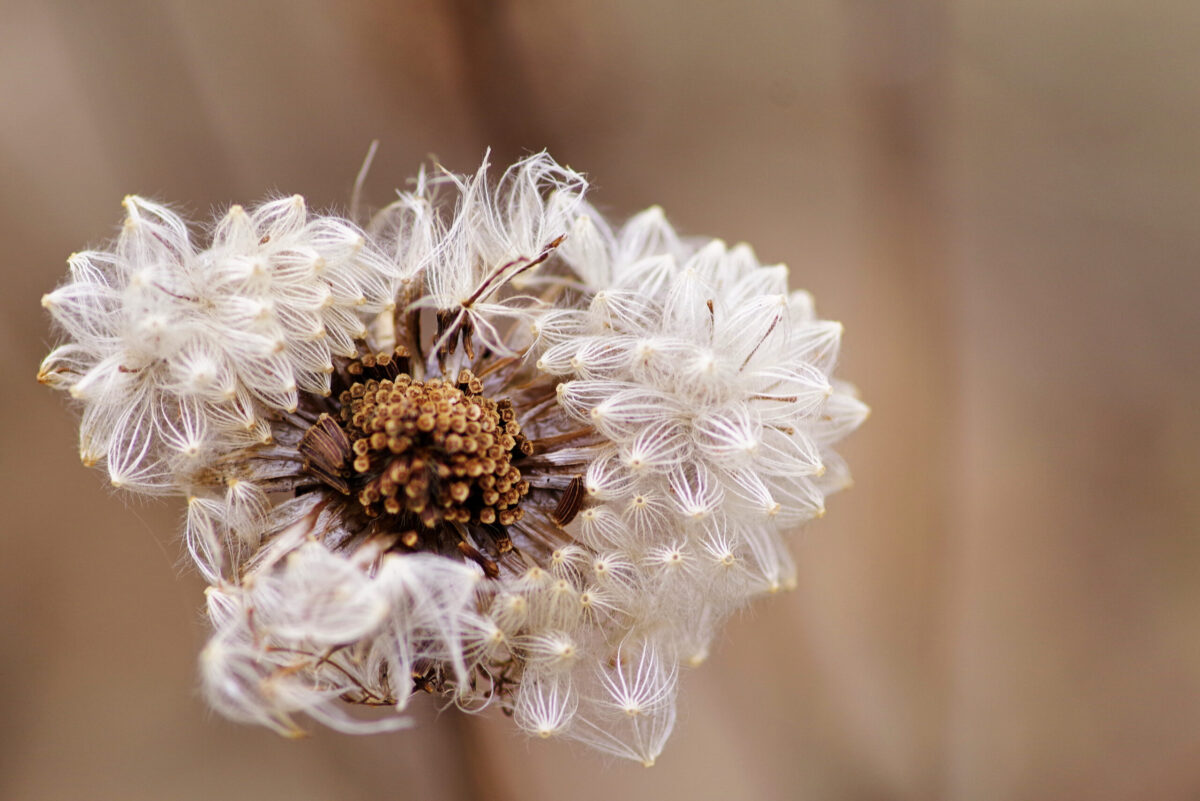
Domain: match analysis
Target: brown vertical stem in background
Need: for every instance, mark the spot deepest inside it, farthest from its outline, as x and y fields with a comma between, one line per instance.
x=495, y=80
x=507, y=119
x=896, y=54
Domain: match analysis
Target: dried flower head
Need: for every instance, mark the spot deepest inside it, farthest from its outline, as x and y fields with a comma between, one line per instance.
x=487, y=447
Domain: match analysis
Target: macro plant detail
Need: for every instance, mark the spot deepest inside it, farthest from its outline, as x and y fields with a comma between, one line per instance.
x=484, y=446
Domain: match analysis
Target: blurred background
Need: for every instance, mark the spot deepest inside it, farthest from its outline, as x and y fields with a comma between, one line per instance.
x=997, y=199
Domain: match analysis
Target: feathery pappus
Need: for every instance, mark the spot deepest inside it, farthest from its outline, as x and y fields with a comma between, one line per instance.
x=484, y=446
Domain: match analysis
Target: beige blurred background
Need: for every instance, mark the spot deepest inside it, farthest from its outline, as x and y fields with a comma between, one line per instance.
x=997, y=199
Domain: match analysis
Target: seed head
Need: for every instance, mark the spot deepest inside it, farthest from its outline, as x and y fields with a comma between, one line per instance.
x=486, y=446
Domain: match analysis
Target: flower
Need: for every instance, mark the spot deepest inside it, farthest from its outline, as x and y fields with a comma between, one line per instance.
x=487, y=447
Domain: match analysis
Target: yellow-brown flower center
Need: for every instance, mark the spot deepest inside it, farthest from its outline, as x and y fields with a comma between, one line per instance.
x=436, y=451
x=429, y=451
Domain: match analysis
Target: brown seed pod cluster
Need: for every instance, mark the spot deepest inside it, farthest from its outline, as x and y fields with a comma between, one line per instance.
x=435, y=450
